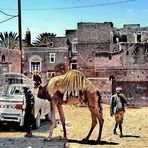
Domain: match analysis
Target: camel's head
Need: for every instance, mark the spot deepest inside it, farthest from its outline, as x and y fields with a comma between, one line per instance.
x=36, y=78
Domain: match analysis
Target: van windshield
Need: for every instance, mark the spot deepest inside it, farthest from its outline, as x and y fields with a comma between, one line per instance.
x=15, y=91
x=8, y=79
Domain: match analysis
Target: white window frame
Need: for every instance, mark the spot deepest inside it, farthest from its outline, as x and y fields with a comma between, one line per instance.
x=74, y=64
x=52, y=55
x=35, y=58
x=50, y=74
x=74, y=47
x=36, y=66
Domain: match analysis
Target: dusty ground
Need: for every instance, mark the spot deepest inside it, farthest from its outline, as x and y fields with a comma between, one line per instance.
x=135, y=129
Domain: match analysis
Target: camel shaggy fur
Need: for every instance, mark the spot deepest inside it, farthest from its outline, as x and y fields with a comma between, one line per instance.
x=60, y=89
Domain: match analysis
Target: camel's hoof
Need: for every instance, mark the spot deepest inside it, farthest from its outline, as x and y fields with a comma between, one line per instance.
x=84, y=139
x=63, y=138
x=98, y=141
x=47, y=139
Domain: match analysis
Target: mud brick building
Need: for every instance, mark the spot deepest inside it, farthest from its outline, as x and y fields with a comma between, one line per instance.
x=10, y=60
x=104, y=51
x=109, y=56
x=50, y=60
x=43, y=59
x=119, y=54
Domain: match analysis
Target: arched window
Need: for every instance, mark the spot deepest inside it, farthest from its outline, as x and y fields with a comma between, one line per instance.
x=35, y=63
x=74, y=45
x=3, y=58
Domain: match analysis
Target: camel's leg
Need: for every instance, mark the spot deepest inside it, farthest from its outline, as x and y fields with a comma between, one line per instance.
x=53, y=121
x=93, y=125
x=96, y=115
x=94, y=106
x=62, y=118
x=101, y=121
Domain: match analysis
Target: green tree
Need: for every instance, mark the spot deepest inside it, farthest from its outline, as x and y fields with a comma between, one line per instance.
x=43, y=39
x=8, y=40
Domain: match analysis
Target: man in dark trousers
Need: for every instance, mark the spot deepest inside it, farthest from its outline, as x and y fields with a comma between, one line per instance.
x=28, y=118
x=117, y=108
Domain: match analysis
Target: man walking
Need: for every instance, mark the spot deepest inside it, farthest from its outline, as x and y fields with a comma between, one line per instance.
x=117, y=109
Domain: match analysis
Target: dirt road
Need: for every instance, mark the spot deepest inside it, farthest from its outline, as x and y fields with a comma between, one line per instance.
x=135, y=129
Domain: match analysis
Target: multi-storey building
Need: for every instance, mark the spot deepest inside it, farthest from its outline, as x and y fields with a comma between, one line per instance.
x=10, y=60
x=50, y=60
x=103, y=51
x=113, y=56
x=119, y=55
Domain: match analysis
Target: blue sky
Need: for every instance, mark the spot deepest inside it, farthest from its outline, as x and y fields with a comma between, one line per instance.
x=53, y=16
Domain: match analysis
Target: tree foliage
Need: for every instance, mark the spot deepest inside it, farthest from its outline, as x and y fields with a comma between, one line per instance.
x=8, y=40
x=43, y=39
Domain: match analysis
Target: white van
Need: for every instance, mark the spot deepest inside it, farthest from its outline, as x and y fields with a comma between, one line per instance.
x=12, y=106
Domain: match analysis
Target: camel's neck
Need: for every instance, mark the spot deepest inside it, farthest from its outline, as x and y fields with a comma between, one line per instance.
x=41, y=92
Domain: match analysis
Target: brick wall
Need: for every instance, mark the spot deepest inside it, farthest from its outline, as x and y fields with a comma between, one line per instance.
x=13, y=58
x=43, y=53
x=94, y=32
x=59, y=42
x=137, y=92
x=71, y=34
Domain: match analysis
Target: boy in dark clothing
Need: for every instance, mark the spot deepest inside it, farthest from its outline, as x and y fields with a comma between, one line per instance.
x=28, y=118
x=117, y=108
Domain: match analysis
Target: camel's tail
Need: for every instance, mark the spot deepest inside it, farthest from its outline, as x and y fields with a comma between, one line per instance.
x=99, y=101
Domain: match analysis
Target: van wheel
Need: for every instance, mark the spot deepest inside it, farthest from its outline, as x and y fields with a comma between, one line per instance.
x=38, y=120
x=48, y=117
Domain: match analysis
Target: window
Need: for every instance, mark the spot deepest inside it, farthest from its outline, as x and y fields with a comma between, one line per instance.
x=35, y=63
x=3, y=58
x=124, y=38
x=138, y=37
x=73, y=65
x=74, y=47
x=35, y=66
x=51, y=57
x=110, y=57
x=51, y=44
x=52, y=74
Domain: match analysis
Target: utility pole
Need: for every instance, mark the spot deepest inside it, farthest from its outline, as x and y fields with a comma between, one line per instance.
x=20, y=31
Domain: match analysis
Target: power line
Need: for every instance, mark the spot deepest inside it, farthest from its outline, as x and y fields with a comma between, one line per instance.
x=74, y=7
x=6, y=13
x=11, y=16
x=8, y=19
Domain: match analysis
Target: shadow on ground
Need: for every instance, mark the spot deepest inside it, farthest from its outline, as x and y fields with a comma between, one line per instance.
x=133, y=136
x=92, y=142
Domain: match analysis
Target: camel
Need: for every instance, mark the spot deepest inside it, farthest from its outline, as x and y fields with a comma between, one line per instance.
x=60, y=89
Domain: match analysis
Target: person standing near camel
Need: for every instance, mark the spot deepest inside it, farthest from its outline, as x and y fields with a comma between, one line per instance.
x=117, y=109
x=29, y=117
